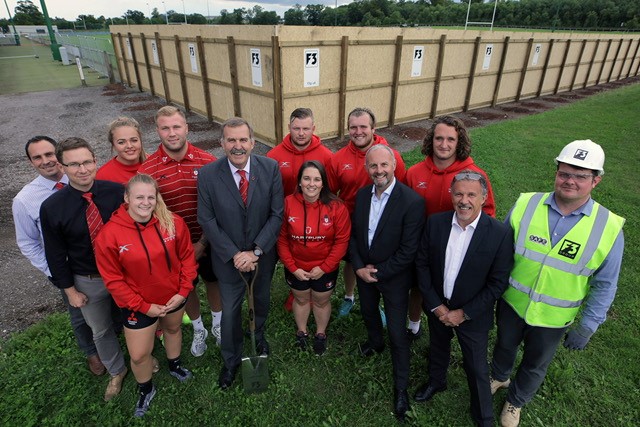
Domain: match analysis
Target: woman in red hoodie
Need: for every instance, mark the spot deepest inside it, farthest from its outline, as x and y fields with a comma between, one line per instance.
x=126, y=140
x=313, y=239
x=145, y=256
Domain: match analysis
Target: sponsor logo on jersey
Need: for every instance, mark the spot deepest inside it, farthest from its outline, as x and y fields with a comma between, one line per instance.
x=285, y=164
x=538, y=239
x=124, y=248
x=347, y=167
x=569, y=249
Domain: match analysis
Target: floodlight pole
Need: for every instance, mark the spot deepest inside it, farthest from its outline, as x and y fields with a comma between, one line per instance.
x=184, y=12
x=466, y=21
x=166, y=17
x=495, y=6
x=15, y=32
x=55, y=47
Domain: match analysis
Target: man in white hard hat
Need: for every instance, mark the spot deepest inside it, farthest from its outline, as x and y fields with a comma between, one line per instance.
x=568, y=251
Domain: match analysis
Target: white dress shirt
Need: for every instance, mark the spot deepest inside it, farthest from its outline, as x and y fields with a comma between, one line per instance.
x=457, y=246
x=236, y=175
x=377, y=208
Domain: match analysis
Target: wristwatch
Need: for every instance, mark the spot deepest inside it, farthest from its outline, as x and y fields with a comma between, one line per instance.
x=257, y=251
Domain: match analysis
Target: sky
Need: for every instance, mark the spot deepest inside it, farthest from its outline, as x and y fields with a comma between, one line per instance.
x=70, y=9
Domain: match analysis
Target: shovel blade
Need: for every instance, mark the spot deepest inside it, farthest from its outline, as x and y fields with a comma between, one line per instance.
x=255, y=374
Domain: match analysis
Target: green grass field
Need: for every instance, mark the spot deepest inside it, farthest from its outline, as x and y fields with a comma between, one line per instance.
x=21, y=71
x=45, y=382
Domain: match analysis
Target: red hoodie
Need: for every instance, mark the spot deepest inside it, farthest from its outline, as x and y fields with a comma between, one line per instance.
x=313, y=234
x=290, y=159
x=141, y=265
x=347, y=173
x=433, y=184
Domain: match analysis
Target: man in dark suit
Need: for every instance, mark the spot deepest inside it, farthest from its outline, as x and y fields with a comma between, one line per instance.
x=387, y=223
x=240, y=207
x=463, y=267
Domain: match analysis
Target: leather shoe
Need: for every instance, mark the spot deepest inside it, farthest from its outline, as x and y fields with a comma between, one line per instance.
x=414, y=336
x=401, y=404
x=115, y=385
x=366, y=349
x=95, y=365
x=427, y=391
x=226, y=377
x=262, y=347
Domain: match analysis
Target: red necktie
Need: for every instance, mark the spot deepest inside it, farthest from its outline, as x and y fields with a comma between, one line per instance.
x=59, y=185
x=94, y=220
x=244, y=186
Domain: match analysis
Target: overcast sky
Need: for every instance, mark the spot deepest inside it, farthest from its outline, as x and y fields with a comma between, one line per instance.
x=70, y=9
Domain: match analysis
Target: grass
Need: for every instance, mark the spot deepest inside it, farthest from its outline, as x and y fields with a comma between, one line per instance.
x=45, y=382
x=30, y=68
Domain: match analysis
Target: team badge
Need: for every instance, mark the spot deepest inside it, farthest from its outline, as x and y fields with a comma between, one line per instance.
x=569, y=249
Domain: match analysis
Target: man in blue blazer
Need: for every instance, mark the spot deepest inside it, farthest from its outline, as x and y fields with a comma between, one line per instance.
x=463, y=267
x=387, y=223
x=240, y=208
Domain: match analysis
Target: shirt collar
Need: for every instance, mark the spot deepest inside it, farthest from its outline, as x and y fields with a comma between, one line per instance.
x=473, y=225
x=188, y=156
x=585, y=209
x=387, y=191
x=247, y=167
x=50, y=184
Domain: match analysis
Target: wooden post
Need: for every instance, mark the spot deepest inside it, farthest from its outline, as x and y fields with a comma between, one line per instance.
x=593, y=58
x=436, y=83
x=604, y=61
x=107, y=63
x=525, y=66
x=564, y=61
x=205, y=77
x=503, y=60
x=638, y=66
x=615, y=59
x=472, y=74
x=396, y=79
x=135, y=62
x=163, y=70
x=113, y=43
x=147, y=63
x=546, y=65
x=342, y=98
x=277, y=88
x=183, y=77
x=575, y=72
x=633, y=59
x=233, y=70
x=124, y=61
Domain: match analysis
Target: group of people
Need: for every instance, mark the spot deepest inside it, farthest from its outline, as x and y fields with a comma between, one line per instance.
x=142, y=230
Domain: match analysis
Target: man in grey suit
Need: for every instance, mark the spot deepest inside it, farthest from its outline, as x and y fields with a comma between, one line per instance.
x=240, y=208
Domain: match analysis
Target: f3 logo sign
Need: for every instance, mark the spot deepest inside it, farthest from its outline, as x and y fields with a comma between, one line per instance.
x=255, y=58
x=417, y=54
x=569, y=249
x=311, y=58
x=488, y=51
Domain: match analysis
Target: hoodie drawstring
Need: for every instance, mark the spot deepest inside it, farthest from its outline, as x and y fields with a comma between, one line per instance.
x=146, y=251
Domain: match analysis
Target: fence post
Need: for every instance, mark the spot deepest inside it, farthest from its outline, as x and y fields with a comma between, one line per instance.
x=163, y=70
x=525, y=66
x=472, y=74
x=436, y=83
x=624, y=59
x=604, y=61
x=575, y=72
x=124, y=61
x=135, y=62
x=615, y=59
x=342, y=98
x=183, y=77
x=205, y=77
x=593, y=58
x=396, y=79
x=277, y=87
x=233, y=70
x=544, y=70
x=633, y=59
x=503, y=59
x=113, y=43
x=107, y=61
x=638, y=66
x=564, y=61
x=147, y=63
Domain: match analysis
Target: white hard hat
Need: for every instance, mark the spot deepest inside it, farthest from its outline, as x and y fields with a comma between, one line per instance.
x=584, y=154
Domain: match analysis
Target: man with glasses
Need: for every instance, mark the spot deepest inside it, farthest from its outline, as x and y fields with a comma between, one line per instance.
x=463, y=268
x=568, y=251
x=71, y=218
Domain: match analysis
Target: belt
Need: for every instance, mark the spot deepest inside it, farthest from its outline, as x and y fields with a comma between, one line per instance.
x=91, y=276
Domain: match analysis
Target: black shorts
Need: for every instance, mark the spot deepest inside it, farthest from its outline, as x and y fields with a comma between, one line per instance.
x=205, y=268
x=324, y=284
x=139, y=320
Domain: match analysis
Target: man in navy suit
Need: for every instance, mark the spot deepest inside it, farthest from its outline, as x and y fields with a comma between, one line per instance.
x=240, y=208
x=463, y=267
x=387, y=223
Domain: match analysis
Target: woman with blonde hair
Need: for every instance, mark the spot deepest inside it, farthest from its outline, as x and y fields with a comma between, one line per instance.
x=146, y=259
x=125, y=139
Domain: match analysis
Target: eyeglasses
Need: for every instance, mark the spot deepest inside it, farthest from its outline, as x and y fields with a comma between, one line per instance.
x=577, y=177
x=471, y=176
x=75, y=165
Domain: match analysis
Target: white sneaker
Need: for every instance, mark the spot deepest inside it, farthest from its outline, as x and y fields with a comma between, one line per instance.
x=198, y=345
x=497, y=385
x=510, y=415
x=217, y=334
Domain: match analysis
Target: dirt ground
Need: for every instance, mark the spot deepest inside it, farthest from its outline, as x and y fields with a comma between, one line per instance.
x=27, y=296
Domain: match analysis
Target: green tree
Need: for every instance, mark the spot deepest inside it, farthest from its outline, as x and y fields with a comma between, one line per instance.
x=26, y=13
x=294, y=16
x=196, y=18
x=313, y=13
x=135, y=17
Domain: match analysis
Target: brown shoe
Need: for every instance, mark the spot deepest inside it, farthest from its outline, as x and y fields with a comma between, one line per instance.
x=95, y=365
x=115, y=385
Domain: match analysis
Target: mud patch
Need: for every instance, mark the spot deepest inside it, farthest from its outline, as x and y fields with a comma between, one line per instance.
x=517, y=110
x=558, y=100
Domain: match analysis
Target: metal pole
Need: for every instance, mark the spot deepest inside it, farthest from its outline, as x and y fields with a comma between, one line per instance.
x=15, y=32
x=336, y=21
x=184, y=12
x=166, y=17
x=208, y=13
x=494, y=13
x=467, y=20
x=55, y=47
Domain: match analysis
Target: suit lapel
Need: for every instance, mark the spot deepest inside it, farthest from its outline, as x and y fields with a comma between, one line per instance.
x=386, y=213
x=478, y=237
x=253, y=178
x=227, y=179
x=445, y=232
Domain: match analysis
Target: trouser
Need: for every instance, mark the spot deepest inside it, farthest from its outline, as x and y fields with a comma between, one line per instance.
x=82, y=331
x=97, y=314
x=540, y=346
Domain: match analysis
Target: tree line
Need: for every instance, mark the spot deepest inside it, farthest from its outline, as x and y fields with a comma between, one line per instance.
x=578, y=14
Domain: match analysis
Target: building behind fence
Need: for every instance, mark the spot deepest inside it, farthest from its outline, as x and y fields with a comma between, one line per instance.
x=404, y=74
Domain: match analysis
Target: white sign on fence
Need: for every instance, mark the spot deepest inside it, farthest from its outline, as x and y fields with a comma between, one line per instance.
x=536, y=54
x=487, y=57
x=154, y=51
x=129, y=47
x=192, y=57
x=256, y=68
x=311, y=67
x=418, y=55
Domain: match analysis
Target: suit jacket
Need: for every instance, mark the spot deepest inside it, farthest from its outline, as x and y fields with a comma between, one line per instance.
x=397, y=236
x=483, y=275
x=229, y=225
